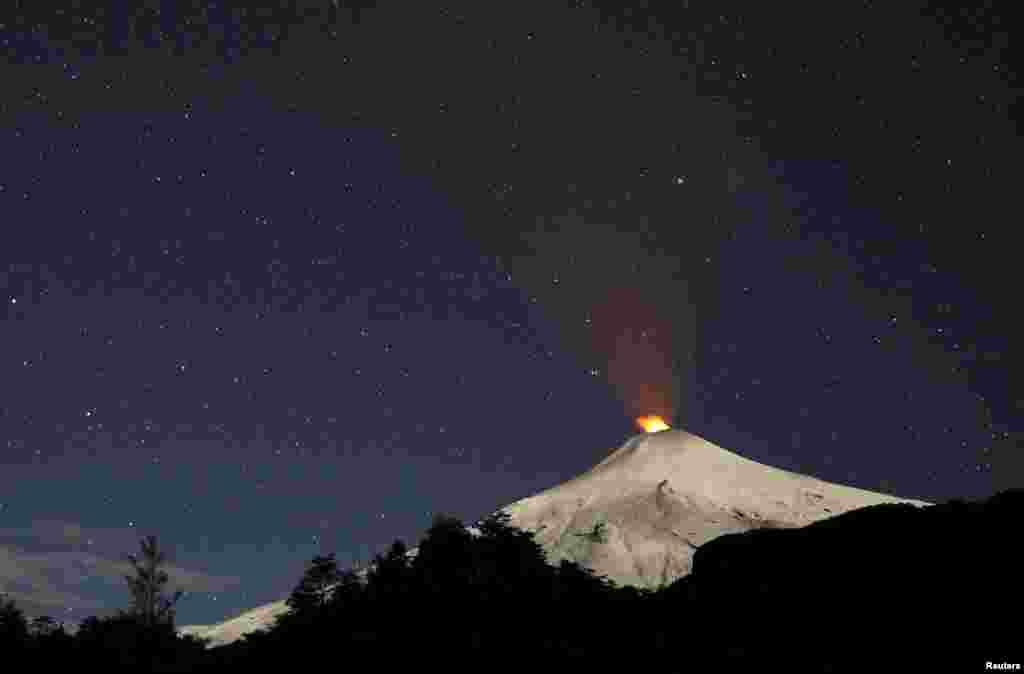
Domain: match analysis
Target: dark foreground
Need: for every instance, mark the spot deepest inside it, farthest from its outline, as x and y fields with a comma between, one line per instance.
x=884, y=588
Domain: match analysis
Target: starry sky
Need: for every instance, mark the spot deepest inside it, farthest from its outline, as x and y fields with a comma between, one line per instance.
x=277, y=284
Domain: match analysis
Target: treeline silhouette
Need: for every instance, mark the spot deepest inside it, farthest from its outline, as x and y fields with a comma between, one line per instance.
x=882, y=588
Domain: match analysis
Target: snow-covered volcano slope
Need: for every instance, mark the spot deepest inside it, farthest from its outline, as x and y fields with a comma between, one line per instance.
x=656, y=499
x=662, y=495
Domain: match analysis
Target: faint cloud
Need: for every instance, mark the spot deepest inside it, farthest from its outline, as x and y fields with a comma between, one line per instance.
x=46, y=566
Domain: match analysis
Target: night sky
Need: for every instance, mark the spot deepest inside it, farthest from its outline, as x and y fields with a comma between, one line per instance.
x=282, y=284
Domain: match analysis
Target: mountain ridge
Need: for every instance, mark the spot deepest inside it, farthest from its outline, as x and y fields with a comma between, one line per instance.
x=656, y=499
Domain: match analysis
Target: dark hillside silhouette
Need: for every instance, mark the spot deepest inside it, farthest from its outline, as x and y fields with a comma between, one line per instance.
x=923, y=584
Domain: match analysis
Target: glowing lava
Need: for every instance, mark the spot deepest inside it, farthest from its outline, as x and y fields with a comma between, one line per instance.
x=652, y=424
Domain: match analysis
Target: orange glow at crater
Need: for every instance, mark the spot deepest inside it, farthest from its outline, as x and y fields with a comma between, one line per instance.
x=652, y=424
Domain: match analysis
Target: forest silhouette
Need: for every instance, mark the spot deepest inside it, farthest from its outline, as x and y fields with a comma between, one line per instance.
x=934, y=588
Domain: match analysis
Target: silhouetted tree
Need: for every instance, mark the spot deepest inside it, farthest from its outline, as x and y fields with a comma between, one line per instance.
x=346, y=598
x=514, y=586
x=310, y=596
x=391, y=590
x=444, y=558
x=350, y=588
x=390, y=574
x=14, y=631
x=308, y=602
x=148, y=603
x=119, y=639
x=123, y=640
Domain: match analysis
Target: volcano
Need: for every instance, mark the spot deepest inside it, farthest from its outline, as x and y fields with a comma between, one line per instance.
x=662, y=495
x=639, y=515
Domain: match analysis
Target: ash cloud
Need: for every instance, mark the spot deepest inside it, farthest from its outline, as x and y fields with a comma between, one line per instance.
x=637, y=344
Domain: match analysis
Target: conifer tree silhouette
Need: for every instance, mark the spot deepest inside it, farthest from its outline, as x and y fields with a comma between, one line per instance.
x=14, y=630
x=346, y=596
x=311, y=595
x=149, y=605
x=389, y=575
